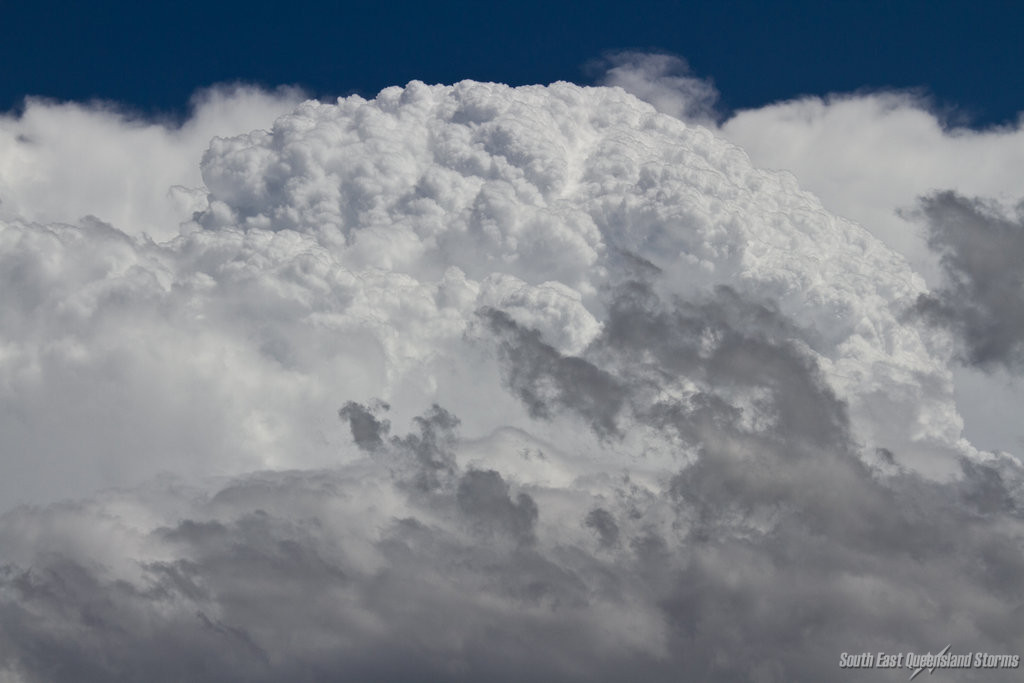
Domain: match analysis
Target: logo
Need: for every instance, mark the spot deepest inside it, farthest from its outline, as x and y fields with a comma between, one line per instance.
x=919, y=663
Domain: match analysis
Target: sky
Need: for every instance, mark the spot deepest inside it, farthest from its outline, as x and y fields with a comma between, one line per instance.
x=153, y=56
x=681, y=341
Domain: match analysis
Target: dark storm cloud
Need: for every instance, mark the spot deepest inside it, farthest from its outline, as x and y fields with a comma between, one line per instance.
x=778, y=526
x=265, y=588
x=603, y=523
x=428, y=457
x=546, y=380
x=765, y=557
x=982, y=249
x=985, y=489
x=432, y=448
x=483, y=496
x=61, y=621
x=743, y=357
x=367, y=431
x=724, y=341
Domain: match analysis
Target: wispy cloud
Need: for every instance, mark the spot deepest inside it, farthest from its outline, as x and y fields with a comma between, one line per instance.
x=663, y=80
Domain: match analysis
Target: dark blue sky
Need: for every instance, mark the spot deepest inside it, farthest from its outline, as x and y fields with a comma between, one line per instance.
x=152, y=56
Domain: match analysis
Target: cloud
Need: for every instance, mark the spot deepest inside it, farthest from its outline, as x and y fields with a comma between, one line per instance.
x=665, y=81
x=61, y=161
x=865, y=154
x=870, y=156
x=603, y=523
x=980, y=247
x=389, y=224
x=479, y=382
x=483, y=496
x=773, y=552
x=367, y=431
x=543, y=378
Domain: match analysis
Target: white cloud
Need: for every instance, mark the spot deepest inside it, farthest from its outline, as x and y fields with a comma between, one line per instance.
x=60, y=162
x=348, y=219
x=870, y=157
x=664, y=81
x=670, y=386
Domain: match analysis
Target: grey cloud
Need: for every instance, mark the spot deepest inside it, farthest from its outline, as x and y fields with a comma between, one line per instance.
x=432, y=448
x=981, y=249
x=769, y=568
x=726, y=344
x=723, y=342
x=368, y=432
x=985, y=490
x=484, y=497
x=762, y=493
x=546, y=380
x=761, y=421
x=267, y=545
x=265, y=587
x=427, y=457
x=603, y=523
x=64, y=622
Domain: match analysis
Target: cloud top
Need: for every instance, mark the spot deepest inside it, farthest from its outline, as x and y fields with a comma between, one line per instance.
x=664, y=81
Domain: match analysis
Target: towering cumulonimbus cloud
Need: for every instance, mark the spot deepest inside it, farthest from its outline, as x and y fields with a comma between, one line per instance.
x=479, y=382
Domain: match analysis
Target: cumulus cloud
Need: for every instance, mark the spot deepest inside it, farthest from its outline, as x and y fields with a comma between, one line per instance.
x=870, y=156
x=866, y=155
x=479, y=382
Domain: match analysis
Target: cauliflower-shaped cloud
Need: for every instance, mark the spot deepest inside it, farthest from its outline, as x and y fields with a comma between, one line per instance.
x=663, y=415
